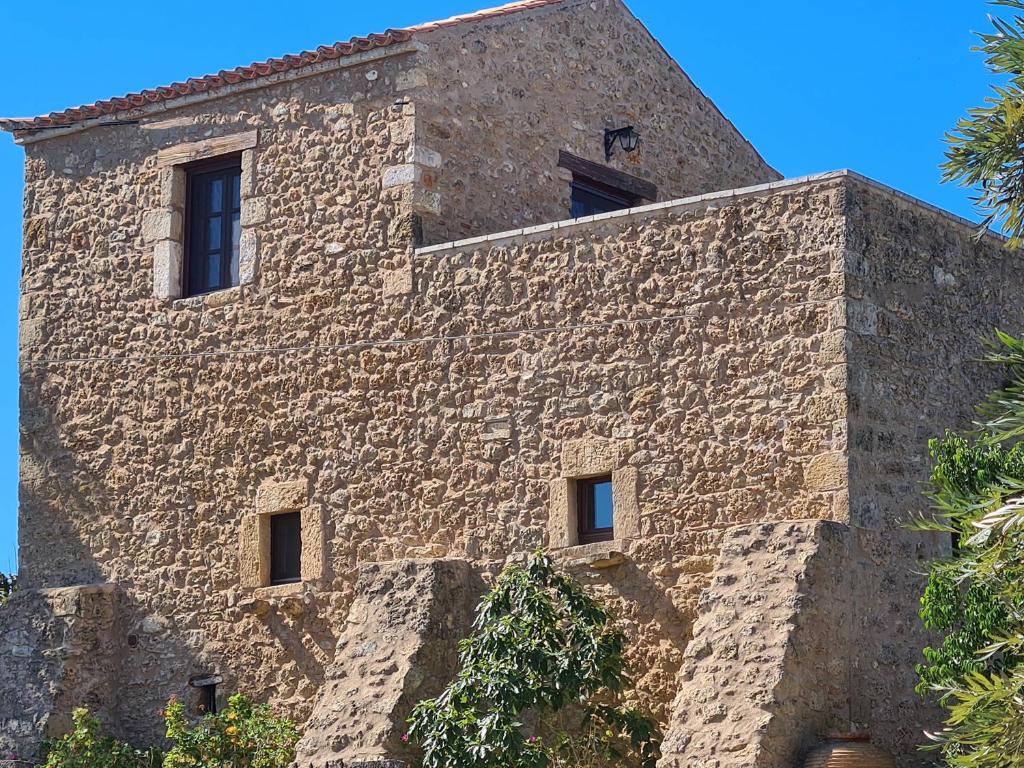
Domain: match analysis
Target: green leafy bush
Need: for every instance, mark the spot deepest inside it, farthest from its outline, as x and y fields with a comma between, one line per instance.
x=8, y=583
x=87, y=747
x=540, y=684
x=242, y=735
x=976, y=597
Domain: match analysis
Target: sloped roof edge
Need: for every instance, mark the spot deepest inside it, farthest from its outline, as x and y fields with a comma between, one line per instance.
x=254, y=71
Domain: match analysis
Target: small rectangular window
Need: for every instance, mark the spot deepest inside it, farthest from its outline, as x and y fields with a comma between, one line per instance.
x=592, y=199
x=213, y=213
x=285, y=548
x=594, y=510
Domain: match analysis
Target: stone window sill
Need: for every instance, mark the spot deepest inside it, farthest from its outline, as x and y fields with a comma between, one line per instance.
x=288, y=599
x=212, y=300
x=597, y=556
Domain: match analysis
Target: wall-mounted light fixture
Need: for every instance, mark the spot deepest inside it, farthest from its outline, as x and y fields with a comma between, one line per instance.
x=627, y=137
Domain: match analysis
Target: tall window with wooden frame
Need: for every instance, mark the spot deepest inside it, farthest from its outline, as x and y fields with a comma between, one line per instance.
x=595, y=516
x=285, y=548
x=213, y=209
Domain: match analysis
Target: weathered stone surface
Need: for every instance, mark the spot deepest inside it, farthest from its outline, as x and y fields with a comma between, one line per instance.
x=761, y=356
x=767, y=671
x=398, y=647
x=59, y=649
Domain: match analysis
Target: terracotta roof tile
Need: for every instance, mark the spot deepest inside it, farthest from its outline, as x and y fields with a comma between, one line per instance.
x=255, y=70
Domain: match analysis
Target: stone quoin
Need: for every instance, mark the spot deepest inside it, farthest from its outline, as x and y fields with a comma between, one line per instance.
x=310, y=349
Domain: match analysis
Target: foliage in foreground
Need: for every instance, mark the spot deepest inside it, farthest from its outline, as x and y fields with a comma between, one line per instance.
x=8, y=583
x=976, y=597
x=985, y=149
x=540, y=684
x=242, y=735
x=88, y=747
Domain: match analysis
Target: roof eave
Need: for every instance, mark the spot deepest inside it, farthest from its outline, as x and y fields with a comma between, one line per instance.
x=25, y=135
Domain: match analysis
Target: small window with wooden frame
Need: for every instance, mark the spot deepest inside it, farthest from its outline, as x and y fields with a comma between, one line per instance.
x=285, y=548
x=599, y=189
x=595, y=513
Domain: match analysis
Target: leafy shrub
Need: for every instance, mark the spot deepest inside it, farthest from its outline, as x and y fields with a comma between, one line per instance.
x=539, y=684
x=87, y=747
x=242, y=735
x=8, y=583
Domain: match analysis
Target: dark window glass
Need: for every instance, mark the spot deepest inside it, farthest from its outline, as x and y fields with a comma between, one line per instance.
x=588, y=200
x=214, y=207
x=285, y=548
x=594, y=513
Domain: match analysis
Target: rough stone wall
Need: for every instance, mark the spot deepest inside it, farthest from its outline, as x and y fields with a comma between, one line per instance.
x=923, y=294
x=399, y=646
x=138, y=469
x=769, y=668
x=59, y=649
x=707, y=354
x=503, y=96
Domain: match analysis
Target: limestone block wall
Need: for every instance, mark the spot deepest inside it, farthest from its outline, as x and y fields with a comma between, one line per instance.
x=501, y=97
x=425, y=416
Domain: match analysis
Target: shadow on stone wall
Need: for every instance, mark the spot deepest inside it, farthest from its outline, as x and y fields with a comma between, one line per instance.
x=69, y=637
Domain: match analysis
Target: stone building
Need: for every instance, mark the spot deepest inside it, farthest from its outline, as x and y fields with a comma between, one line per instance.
x=305, y=361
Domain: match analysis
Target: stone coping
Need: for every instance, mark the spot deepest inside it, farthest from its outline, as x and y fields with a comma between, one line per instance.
x=645, y=211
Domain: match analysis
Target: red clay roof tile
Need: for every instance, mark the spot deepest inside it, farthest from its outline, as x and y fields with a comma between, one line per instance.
x=254, y=71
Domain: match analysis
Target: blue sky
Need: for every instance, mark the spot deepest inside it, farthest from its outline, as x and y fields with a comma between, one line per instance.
x=815, y=86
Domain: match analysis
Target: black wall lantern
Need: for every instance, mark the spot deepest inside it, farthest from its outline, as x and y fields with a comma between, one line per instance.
x=628, y=139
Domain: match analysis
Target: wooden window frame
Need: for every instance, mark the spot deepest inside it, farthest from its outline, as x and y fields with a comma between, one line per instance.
x=193, y=172
x=276, y=578
x=586, y=511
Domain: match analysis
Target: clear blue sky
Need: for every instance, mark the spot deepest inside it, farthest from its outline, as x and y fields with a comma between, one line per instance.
x=815, y=86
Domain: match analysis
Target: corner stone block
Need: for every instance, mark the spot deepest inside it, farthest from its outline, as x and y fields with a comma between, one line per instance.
x=275, y=496
x=249, y=556
x=397, y=282
x=400, y=175
x=167, y=256
x=827, y=472
x=589, y=456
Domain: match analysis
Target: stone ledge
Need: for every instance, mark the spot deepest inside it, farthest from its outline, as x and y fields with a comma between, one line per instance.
x=599, y=556
x=644, y=211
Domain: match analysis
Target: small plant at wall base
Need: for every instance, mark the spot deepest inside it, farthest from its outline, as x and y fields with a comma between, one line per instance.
x=976, y=597
x=88, y=747
x=242, y=735
x=540, y=683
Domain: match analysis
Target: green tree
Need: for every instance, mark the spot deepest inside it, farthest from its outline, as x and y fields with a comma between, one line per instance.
x=985, y=148
x=540, y=684
x=976, y=597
